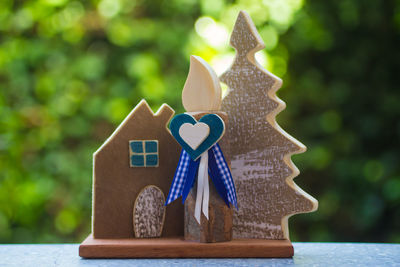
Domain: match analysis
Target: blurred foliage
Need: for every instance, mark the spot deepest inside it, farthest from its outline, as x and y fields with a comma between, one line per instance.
x=70, y=71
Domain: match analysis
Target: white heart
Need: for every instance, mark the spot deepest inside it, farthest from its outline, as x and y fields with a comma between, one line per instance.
x=194, y=134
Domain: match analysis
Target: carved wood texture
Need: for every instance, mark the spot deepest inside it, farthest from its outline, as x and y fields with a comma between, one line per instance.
x=149, y=212
x=260, y=149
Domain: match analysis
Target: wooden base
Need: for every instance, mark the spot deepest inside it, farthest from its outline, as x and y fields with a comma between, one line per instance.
x=179, y=248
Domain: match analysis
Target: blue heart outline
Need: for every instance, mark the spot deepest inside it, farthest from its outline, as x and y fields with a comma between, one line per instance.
x=217, y=129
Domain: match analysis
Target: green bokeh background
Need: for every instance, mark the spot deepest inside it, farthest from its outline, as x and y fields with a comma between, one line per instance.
x=70, y=71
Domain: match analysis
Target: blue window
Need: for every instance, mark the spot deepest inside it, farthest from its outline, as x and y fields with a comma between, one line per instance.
x=143, y=153
x=136, y=146
x=151, y=146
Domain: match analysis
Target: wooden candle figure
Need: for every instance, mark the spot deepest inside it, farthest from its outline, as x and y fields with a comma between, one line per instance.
x=208, y=216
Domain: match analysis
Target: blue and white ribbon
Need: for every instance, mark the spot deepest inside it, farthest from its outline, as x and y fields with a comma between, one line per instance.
x=212, y=163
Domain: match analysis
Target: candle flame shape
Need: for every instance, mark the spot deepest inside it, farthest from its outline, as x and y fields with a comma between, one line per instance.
x=202, y=90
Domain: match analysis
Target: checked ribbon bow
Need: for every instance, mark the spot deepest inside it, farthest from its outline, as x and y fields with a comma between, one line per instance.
x=218, y=170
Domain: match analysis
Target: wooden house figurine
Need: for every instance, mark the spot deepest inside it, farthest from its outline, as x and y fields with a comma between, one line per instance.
x=133, y=170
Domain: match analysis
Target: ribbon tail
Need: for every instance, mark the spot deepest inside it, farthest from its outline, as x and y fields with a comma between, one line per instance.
x=225, y=174
x=176, y=188
x=215, y=176
x=190, y=178
x=206, y=189
x=200, y=188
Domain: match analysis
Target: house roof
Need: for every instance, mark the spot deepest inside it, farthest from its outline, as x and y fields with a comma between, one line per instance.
x=164, y=113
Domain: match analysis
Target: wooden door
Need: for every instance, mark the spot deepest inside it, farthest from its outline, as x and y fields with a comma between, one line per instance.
x=149, y=212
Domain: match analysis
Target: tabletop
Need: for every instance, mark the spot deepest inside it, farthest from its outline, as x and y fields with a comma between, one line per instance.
x=305, y=254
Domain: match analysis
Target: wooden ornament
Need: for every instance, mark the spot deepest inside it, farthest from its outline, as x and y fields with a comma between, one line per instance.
x=149, y=212
x=116, y=185
x=127, y=182
x=260, y=150
x=215, y=127
x=201, y=97
x=194, y=134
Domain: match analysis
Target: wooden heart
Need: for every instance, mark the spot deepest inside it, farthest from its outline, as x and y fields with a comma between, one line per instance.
x=194, y=134
x=194, y=139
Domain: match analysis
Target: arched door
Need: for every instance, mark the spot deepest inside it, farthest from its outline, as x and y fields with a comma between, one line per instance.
x=149, y=212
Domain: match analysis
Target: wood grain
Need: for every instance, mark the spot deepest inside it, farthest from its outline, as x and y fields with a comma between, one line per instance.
x=260, y=150
x=116, y=185
x=178, y=248
x=149, y=212
x=202, y=90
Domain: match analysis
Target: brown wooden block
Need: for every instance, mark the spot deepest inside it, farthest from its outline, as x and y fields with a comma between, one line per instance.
x=218, y=227
x=178, y=248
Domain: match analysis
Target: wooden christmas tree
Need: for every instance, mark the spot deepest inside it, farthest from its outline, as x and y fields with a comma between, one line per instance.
x=260, y=150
